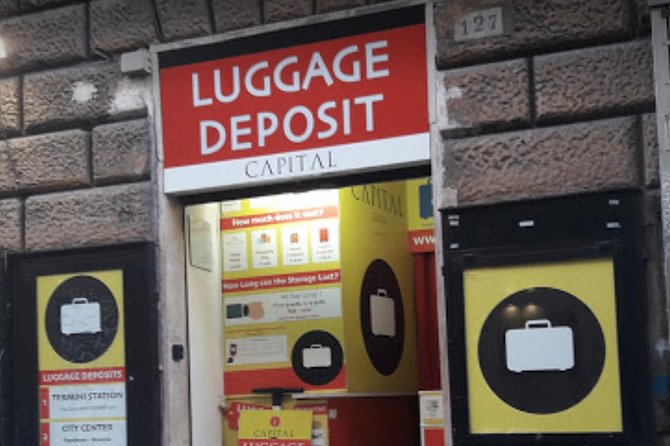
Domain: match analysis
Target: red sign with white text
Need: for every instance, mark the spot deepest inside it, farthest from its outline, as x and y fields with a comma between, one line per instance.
x=291, y=216
x=344, y=104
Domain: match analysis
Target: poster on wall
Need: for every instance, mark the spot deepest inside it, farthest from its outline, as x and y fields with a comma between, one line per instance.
x=239, y=429
x=81, y=359
x=340, y=265
x=275, y=427
x=420, y=218
x=282, y=293
x=349, y=95
x=542, y=348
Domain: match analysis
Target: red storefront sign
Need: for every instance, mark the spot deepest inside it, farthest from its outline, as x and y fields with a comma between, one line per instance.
x=305, y=102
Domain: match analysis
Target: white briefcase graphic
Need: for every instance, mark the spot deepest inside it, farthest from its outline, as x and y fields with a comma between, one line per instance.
x=317, y=356
x=539, y=347
x=80, y=317
x=382, y=314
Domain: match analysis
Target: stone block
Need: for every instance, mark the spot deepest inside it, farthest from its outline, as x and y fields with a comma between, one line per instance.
x=279, y=10
x=336, y=5
x=8, y=8
x=533, y=26
x=86, y=217
x=644, y=18
x=10, y=106
x=180, y=19
x=37, y=4
x=587, y=82
x=10, y=224
x=650, y=141
x=545, y=161
x=232, y=14
x=120, y=25
x=121, y=151
x=487, y=95
x=51, y=161
x=44, y=39
x=8, y=182
x=90, y=92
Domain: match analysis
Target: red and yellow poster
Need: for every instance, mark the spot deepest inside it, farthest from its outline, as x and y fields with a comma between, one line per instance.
x=282, y=293
x=275, y=428
x=300, y=271
x=318, y=410
x=81, y=358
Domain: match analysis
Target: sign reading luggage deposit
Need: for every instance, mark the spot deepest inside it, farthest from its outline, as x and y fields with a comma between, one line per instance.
x=308, y=101
x=81, y=359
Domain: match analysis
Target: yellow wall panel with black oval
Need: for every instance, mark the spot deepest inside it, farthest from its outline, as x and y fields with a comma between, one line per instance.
x=542, y=348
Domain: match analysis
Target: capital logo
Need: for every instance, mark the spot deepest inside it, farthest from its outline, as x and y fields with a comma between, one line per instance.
x=275, y=421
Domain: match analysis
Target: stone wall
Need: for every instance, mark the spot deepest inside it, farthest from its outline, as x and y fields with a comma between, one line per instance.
x=563, y=102
x=70, y=177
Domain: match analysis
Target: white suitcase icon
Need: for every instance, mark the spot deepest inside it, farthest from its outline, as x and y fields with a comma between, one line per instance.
x=317, y=356
x=80, y=317
x=382, y=314
x=539, y=347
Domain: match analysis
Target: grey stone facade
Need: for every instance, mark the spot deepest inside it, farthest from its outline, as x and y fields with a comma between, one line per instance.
x=562, y=103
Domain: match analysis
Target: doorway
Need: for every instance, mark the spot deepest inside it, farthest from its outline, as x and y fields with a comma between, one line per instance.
x=319, y=292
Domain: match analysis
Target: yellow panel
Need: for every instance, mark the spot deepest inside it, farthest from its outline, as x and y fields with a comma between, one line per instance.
x=592, y=281
x=374, y=227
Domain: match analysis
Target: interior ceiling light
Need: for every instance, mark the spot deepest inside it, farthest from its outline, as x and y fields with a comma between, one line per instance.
x=3, y=49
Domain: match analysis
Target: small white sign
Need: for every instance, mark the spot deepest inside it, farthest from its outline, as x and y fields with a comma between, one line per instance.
x=200, y=243
x=295, y=249
x=235, y=251
x=231, y=206
x=479, y=24
x=87, y=401
x=256, y=350
x=264, y=248
x=87, y=433
x=431, y=408
x=297, y=305
x=325, y=236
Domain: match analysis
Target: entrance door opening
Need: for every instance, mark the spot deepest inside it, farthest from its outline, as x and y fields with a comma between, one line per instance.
x=328, y=294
